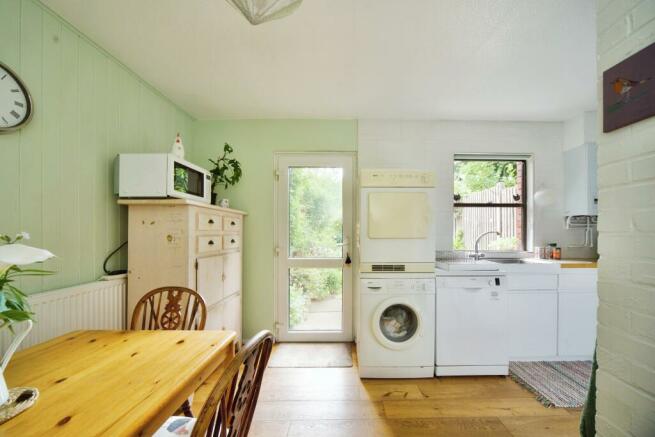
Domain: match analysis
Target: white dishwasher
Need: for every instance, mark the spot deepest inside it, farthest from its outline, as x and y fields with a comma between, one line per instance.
x=472, y=331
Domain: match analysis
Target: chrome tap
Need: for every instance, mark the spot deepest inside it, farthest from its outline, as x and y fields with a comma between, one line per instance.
x=477, y=255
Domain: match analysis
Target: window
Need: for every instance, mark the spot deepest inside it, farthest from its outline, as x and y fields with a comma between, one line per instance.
x=490, y=195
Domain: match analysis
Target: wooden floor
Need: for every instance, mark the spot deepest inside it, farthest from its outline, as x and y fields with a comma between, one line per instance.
x=335, y=402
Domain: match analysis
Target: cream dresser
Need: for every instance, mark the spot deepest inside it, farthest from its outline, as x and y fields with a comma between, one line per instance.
x=190, y=244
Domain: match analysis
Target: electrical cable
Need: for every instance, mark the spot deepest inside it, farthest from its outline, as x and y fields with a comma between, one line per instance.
x=104, y=264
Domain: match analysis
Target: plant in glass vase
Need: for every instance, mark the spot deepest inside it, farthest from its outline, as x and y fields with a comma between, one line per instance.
x=14, y=307
x=226, y=171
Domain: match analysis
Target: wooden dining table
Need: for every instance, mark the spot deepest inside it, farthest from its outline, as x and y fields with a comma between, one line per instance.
x=113, y=383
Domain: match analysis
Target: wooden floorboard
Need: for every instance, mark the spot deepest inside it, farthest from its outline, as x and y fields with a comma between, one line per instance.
x=317, y=402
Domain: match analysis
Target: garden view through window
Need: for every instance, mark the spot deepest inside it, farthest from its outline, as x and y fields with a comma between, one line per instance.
x=315, y=232
x=490, y=195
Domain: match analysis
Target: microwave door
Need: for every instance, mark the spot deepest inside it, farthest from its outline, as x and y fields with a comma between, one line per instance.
x=187, y=182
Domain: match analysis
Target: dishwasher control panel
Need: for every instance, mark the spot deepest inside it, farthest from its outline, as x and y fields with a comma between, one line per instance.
x=494, y=282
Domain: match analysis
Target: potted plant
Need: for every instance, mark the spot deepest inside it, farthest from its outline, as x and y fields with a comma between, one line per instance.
x=14, y=307
x=226, y=171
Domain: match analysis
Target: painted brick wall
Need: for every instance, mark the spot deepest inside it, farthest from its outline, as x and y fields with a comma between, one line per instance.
x=626, y=177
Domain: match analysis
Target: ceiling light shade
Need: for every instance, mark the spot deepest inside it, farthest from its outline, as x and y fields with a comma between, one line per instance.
x=261, y=11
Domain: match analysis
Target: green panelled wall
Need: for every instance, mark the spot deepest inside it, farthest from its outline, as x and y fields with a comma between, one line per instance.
x=56, y=173
x=254, y=142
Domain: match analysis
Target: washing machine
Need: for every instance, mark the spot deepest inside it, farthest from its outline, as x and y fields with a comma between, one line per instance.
x=397, y=325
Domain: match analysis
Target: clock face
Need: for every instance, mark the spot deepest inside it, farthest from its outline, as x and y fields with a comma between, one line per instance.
x=15, y=102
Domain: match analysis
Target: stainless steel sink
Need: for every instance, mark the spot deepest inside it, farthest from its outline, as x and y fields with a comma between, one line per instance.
x=508, y=261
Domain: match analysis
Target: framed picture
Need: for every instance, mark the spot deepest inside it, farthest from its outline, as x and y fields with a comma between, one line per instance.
x=629, y=90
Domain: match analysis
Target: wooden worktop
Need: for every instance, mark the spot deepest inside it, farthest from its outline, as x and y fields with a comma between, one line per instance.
x=577, y=264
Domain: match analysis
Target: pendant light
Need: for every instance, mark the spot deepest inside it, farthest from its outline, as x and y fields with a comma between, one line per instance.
x=261, y=11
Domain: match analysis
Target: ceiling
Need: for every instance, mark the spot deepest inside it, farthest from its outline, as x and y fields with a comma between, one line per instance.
x=396, y=59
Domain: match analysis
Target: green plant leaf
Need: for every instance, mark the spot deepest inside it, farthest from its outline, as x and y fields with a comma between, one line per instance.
x=16, y=315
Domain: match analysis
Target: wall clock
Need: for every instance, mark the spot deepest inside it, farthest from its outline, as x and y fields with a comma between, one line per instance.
x=15, y=101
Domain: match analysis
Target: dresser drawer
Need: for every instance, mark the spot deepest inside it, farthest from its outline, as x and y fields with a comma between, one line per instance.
x=231, y=223
x=231, y=242
x=209, y=243
x=208, y=222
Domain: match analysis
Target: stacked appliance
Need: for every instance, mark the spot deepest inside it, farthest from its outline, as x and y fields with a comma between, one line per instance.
x=396, y=234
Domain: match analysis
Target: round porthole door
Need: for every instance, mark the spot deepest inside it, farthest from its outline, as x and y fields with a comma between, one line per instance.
x=397, y=324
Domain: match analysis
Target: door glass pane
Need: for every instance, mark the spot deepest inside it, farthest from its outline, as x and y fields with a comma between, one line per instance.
x=398, y=323
x=315, y=299
x=315, y=212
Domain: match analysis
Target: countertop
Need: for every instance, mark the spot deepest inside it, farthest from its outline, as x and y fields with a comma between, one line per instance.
x=530, y=265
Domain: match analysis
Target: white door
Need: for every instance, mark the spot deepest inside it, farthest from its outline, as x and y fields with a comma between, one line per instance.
x=314, y=214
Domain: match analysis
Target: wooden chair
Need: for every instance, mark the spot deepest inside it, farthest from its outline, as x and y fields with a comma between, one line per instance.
x=229, y=408
x=170, y=308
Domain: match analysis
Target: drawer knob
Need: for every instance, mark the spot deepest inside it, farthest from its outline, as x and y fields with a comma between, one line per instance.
x=211, y=221
x=233, y=241
x=232, y=223
x=210, y=242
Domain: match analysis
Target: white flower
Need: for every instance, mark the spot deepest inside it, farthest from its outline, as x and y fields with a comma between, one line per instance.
x=23, y=235
x=20, y=255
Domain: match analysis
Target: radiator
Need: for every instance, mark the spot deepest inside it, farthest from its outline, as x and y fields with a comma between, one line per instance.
x=95, y=305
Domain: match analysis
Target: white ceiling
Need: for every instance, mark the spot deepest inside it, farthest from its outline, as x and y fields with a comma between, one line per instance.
x=399, y=59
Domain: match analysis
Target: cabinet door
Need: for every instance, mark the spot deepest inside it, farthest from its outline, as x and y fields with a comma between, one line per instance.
x=532, y=324
x=215, y=317
x=232, y=270
x=577, y=323
x=232, y=314
x=209, y=278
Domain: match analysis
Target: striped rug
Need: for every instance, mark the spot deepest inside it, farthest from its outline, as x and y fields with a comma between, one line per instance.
x=556, y=383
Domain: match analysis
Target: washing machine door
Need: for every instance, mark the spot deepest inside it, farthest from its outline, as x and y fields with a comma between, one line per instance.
x=397, y=324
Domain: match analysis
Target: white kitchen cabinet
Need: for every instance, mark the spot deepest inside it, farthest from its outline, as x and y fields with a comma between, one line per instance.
x=577, y=324
x=232, y=268
x=216, y=317
x=577, y=308
x=232, y=313
x=177, y=242
x=532, y=324
x=581, y=189
x=210, y=278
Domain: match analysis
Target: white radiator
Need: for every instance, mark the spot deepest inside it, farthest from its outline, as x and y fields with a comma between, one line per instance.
x=96, y=305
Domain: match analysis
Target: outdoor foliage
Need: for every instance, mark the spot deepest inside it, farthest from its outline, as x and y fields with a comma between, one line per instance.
x=471, y=179
x=473, y=176
x=315, y=210
x=315, y=230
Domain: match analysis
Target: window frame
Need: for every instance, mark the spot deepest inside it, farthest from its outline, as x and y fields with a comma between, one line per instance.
x=524, y=193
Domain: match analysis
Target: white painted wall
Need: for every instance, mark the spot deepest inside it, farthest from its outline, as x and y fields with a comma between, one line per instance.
x=431, y=145
x=580, y=130
x=626, y=177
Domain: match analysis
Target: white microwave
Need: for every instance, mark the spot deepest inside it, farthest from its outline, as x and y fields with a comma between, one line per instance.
x=146, y=175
